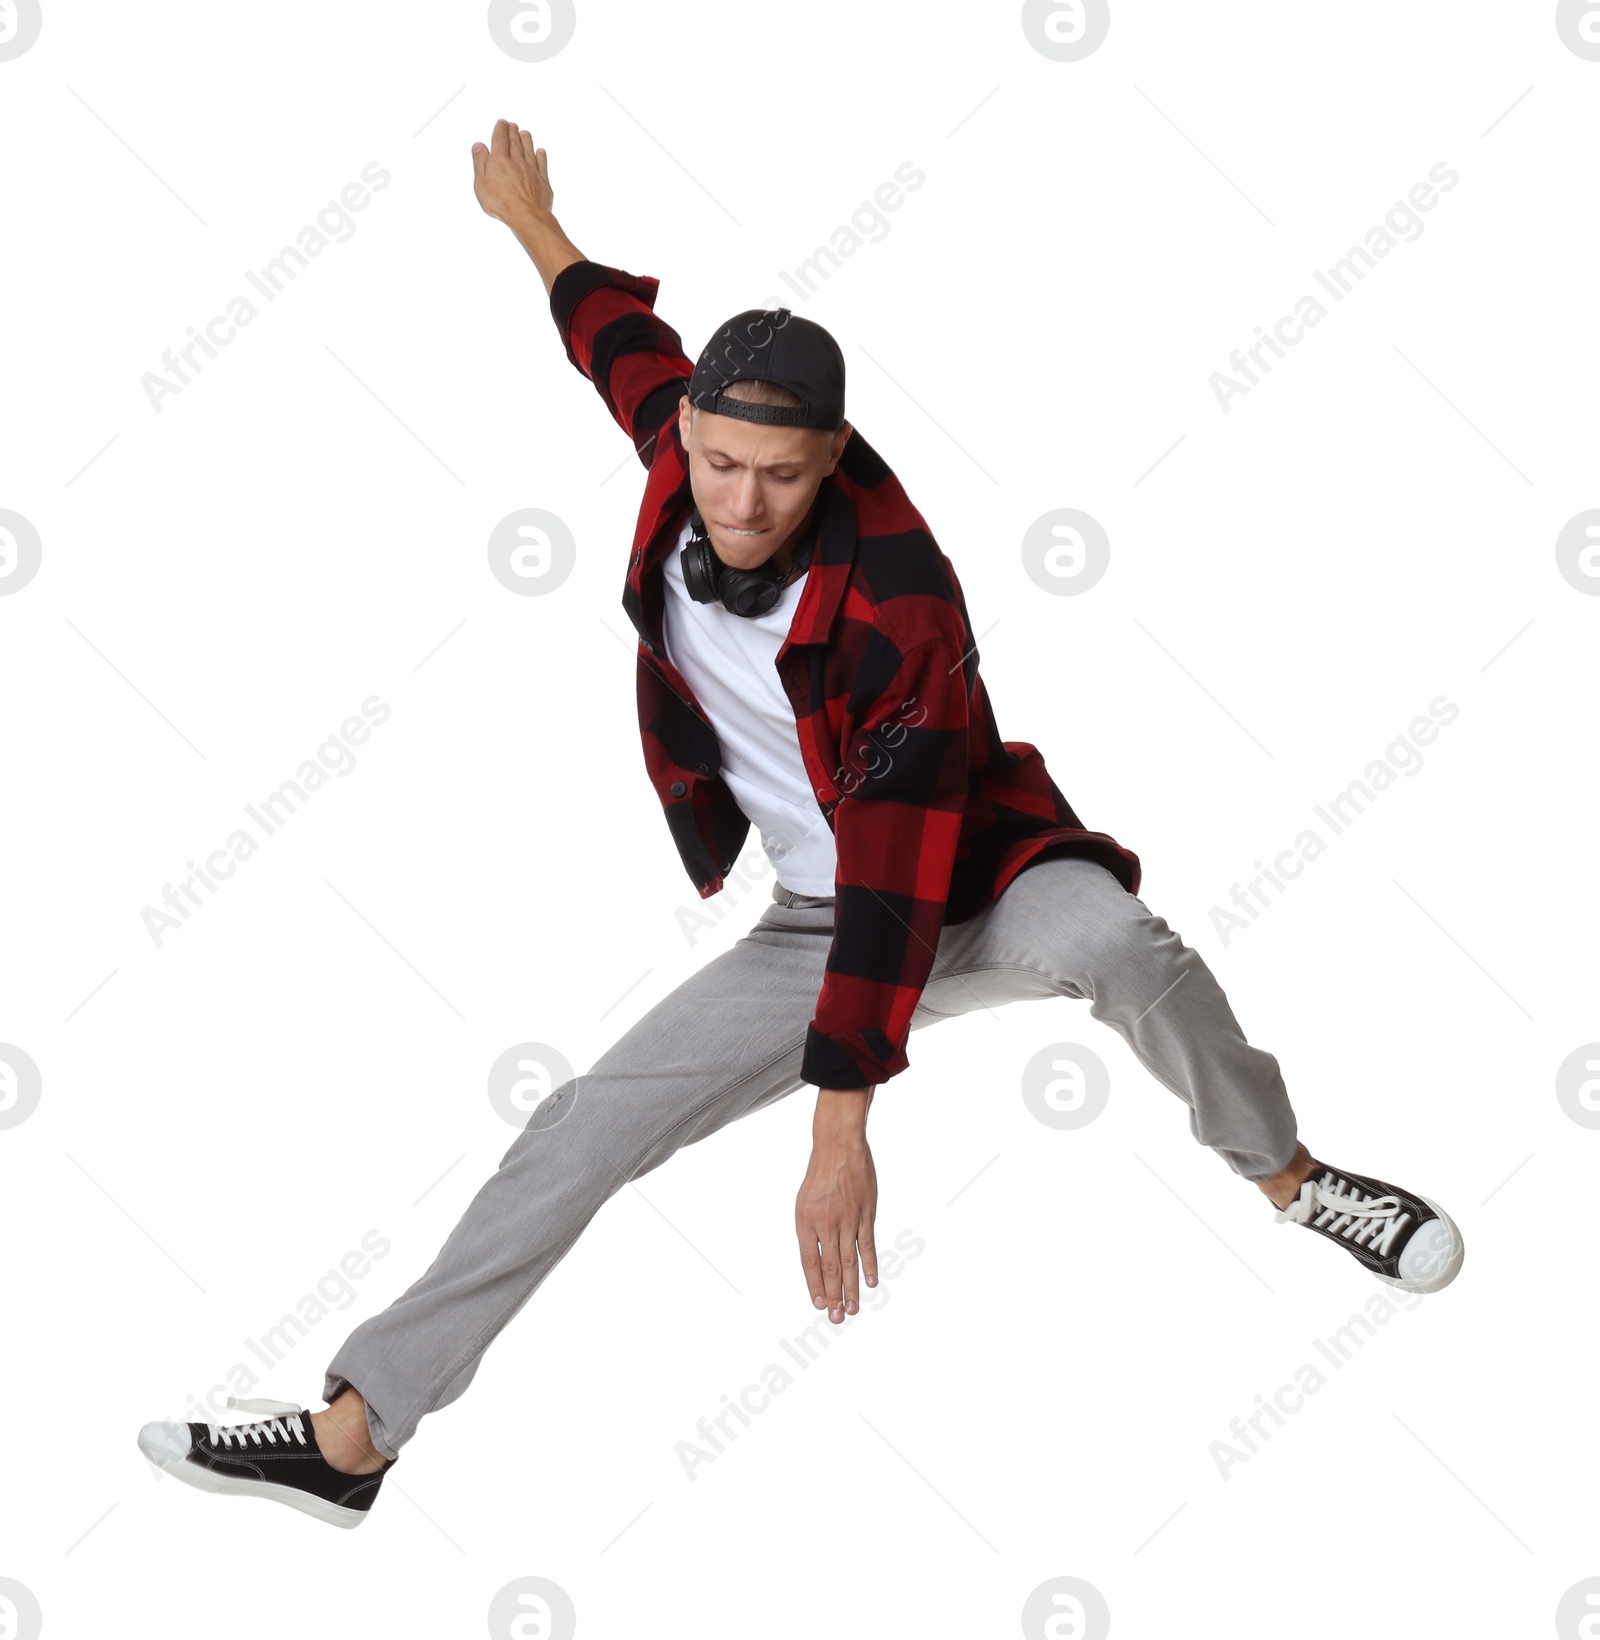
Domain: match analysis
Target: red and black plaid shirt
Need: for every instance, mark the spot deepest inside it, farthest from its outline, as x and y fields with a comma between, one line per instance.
x=932, y=813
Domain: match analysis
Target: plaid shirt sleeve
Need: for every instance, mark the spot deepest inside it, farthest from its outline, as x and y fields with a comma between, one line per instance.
x=635, y=360
x=895, y=835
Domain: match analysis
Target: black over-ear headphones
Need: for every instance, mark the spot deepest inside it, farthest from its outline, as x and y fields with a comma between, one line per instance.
x=749, y=592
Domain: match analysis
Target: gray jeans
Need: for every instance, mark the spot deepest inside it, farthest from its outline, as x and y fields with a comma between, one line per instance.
x=729, y=1040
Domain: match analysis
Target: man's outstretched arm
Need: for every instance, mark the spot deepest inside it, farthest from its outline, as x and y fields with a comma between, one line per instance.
x=606, y=317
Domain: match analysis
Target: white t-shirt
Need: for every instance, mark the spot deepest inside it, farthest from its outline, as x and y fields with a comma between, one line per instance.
x=727, y=660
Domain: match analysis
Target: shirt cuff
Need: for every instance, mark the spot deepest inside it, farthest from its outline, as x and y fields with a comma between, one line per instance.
x=851, y=1059
x=577, y=279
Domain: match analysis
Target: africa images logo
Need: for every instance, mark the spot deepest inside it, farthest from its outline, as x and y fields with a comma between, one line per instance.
x=20, y=22
x=334, y=225
x=1578, y=24
x=1402, y=225
x=20, y=551
x=335, y=756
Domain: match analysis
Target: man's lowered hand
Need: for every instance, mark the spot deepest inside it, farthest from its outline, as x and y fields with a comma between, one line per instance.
x=837, y=1204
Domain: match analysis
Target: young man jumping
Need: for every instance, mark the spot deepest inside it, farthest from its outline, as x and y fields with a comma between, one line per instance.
x=805, y=665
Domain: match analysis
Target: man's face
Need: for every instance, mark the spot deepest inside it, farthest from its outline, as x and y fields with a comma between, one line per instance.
x=754, y=483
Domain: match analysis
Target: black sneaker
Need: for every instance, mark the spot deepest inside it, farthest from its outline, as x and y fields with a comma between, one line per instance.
x=1403, y=1239
x=276, y=1457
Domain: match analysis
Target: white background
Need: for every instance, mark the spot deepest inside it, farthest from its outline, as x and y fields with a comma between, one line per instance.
x=305, y=526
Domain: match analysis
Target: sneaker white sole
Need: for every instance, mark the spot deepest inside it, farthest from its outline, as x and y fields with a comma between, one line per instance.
x=1449, y=1267
x=207, y=1480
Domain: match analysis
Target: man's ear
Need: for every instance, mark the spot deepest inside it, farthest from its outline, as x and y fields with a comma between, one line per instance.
x=685, y=412
x=840, y=439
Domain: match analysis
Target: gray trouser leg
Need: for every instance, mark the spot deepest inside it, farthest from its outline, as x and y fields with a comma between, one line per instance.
x=1075, y=931
x=729, y=1040
x=726, y=1042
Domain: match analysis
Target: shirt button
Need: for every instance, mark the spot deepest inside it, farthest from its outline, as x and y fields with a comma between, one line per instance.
x=678, y=788
x=701, y=768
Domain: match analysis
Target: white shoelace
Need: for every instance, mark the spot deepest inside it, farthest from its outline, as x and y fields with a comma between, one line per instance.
x=285, y=1422
x=1372, y=1222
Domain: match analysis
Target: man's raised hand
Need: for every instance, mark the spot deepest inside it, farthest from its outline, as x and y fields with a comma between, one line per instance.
x=512, y=181
x=511, y=177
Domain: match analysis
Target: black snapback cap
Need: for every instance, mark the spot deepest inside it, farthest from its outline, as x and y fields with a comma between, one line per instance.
x=772, y=344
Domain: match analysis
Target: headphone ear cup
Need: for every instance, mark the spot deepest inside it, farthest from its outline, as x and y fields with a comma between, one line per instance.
x=707, y=580
x=700, y=570
x=749, y=592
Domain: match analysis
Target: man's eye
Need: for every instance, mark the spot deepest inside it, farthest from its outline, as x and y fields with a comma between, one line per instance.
x=728, y=467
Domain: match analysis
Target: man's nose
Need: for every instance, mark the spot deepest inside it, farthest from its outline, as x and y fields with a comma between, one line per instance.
x=747, y=505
